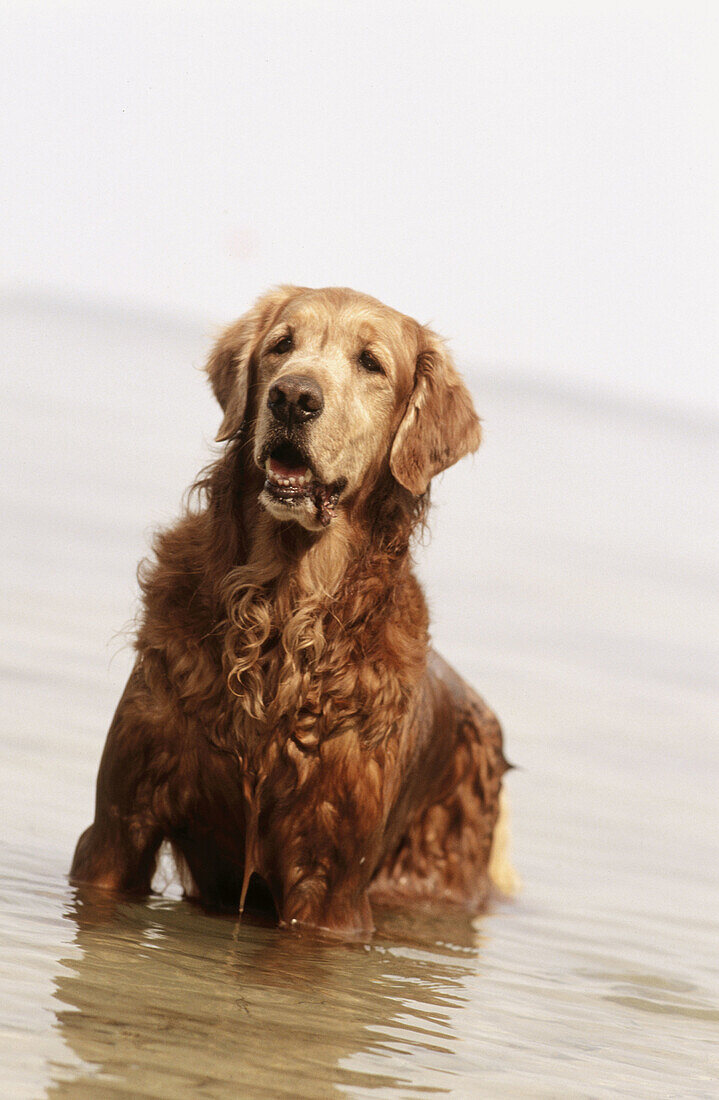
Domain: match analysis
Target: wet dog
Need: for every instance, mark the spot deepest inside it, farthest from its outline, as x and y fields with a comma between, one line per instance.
x=286, y=717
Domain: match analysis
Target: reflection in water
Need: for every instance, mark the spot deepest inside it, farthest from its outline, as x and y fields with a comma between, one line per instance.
x=165, y=1000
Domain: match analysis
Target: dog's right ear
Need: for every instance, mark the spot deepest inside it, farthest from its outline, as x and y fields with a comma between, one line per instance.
x=228, y=367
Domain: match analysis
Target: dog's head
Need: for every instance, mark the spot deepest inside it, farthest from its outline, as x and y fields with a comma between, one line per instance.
x=336, y=389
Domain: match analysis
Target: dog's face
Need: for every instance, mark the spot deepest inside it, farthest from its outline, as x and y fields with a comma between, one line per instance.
x=334, y=371
x=343, y=388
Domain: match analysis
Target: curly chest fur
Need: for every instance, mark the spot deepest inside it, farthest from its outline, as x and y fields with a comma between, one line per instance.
x=308, y=673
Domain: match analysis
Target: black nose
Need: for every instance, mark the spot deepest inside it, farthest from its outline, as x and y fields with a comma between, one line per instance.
x=295, y=399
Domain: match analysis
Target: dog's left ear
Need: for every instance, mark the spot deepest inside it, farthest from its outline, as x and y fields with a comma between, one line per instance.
x=439, y=425
x=229, y=364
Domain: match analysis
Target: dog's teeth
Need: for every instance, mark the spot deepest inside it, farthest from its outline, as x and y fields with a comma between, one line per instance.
x=295, y=481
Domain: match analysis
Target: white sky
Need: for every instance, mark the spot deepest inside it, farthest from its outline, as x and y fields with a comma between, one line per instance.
x=541, y=181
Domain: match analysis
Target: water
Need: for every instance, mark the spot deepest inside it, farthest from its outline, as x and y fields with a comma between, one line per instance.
x=572, y=578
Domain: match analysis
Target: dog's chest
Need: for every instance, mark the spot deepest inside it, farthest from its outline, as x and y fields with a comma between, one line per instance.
x=302, y=709
x=312, y=676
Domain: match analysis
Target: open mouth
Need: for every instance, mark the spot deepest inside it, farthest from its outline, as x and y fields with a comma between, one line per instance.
x=290, y=481
x=288, y=472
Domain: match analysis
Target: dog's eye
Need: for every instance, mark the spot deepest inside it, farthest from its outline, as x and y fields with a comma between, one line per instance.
x=283, y=345
x=370, y=362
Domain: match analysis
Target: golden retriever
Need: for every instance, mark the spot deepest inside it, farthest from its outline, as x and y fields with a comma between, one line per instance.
x=286, y=721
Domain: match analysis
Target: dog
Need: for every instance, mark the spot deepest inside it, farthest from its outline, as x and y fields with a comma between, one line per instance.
x=287, y=726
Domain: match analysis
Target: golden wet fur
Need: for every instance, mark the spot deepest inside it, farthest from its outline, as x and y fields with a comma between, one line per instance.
x=286, y=720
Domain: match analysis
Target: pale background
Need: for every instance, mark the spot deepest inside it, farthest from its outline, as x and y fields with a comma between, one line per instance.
x=539, y=180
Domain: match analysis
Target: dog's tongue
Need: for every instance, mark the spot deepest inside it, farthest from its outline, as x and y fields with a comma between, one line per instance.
x=280, y=469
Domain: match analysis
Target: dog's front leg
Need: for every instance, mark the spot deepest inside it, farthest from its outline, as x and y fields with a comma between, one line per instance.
x=332, y=905
x=118, y=851
x=327, y=840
